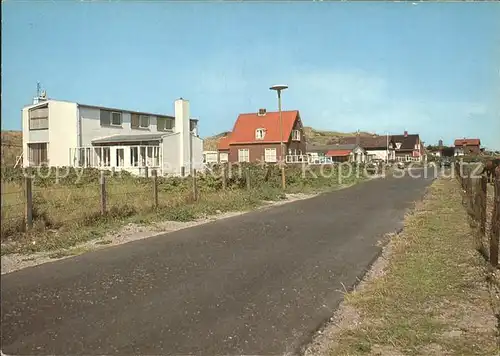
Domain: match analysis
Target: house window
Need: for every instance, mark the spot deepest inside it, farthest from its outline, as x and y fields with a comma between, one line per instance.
x=37, y=154
x=134, y=156
x=193, y=124
x=144, y=122
x=110, y=118
x=139, y=121
x=104, y=154
x=270, y=155
x=164, y=124
x=39, y=118
x=296, y=135
x=243, y=155
x=224, y=157
x=116, y=118
x=259, y=134
x=119, y=157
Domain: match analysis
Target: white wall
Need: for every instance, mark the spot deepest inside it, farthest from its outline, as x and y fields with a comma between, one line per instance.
x=26, y=132
x=380, y=154
x=170, y=154
x=36, y=136
x=62, y=132
x=197, y=145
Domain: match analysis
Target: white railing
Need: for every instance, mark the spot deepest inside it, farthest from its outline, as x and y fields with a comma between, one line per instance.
x=408, y=159
x=131, y=158
x=297, y=159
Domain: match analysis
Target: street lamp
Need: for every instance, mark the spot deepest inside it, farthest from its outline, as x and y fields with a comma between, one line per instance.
x=279, y=88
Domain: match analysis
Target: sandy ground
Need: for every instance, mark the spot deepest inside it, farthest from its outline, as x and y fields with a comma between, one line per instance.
x=128, y=233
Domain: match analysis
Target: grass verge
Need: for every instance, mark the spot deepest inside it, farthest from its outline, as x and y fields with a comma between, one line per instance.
x=432, y=295
x=68, y=236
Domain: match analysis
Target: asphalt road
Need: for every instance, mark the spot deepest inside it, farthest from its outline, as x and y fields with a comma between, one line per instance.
x=260, y=283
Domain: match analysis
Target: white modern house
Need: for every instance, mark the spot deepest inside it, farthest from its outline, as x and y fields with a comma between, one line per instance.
x=60, y=133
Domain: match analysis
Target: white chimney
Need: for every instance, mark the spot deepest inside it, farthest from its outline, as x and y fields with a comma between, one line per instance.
x=182, y=127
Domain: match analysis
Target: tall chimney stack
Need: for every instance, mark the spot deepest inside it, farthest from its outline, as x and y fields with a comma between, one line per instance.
x=182, y=126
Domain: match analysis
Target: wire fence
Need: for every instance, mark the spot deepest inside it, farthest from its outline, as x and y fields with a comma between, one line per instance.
x=50, y=200
x=482, y=202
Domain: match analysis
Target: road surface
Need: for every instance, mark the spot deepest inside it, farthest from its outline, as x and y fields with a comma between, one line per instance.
x=259, y=283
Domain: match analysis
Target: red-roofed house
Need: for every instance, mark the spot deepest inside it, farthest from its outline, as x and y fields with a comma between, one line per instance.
x=256, y=137
x=467, y=146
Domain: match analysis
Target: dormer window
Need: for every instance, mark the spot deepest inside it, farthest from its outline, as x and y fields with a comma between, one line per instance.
x=260, y=133
x=296, y=135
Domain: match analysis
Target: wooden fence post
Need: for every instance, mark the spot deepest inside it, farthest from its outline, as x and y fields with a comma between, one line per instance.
x=155, y=188
x=195, y=186
x=484, y=202
x=224, y=177
x=28, y=184
x=495, y=224
x=247, y=178
x=146, y=171
x=470, y=195
x=103, y=193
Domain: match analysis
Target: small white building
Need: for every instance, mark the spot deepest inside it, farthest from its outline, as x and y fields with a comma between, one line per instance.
x=211, y=157
x=60, y=133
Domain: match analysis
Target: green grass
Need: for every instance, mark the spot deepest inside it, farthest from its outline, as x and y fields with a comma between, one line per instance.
x=434, y=284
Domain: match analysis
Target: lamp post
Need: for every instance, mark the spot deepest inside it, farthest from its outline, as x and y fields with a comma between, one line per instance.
x=387, y=148
x=279, y=88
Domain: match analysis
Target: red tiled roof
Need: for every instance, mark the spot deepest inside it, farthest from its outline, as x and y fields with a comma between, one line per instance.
x=338, y=153
x=246, y=124
x=468, y=142
x=223, y=143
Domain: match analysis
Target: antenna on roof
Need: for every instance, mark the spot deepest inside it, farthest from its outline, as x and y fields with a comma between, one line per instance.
x=41, y=95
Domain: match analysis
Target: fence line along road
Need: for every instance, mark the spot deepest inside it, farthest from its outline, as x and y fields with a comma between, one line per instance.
x=479, y=200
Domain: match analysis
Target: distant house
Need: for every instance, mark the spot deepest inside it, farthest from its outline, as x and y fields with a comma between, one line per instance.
x=336, y=153
x=376, y=147
x=408, y=147
x=256, y=137
x=467, y=146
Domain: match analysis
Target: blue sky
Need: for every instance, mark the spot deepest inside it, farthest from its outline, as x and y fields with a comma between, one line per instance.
x=429, y=68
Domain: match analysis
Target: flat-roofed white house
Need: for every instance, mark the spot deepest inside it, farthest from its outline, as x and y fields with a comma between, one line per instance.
x=60, y=133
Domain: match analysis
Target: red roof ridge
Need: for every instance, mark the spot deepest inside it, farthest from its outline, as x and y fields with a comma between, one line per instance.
x=246, y=125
